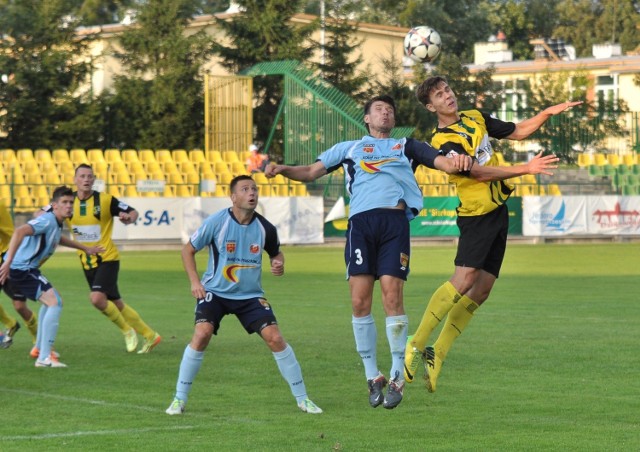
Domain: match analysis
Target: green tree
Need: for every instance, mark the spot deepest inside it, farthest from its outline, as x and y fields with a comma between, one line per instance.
x=584, y=127
x=264, y=32
x=338, y=65
x=159, y=102
x=40, y=94
x=98, y=12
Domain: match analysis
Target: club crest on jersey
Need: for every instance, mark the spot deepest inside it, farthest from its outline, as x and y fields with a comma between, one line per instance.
x=404, y=261
x=264, y=303
x=368, y=148
x=231, y=247
x=397, y=147
x=374, y=167
x=230, y=272
x=254, y=248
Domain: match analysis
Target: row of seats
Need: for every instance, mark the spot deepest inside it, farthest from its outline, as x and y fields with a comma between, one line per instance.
x=601, y=159
x=521, y=189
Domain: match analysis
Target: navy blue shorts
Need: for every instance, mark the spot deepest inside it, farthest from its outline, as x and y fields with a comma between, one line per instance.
x=378, y=243
x=28, y=284
x=254, y=313
x=483, y=240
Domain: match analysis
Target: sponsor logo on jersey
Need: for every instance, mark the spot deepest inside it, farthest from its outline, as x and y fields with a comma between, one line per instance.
x=231, y=247
x=230, y=271
x=254, y=248
x=374, y=167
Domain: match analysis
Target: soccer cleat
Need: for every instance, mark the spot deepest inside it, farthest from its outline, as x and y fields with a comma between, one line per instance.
x=432, y=366
x=376, y=385
x=13, y=330
x=7, y=339
x=176, y=407
x=131, y=339
x=309, y=407
x=394, y=393
x=35, y=352
x=49, y=363
x=412, y=358
x=149, y=344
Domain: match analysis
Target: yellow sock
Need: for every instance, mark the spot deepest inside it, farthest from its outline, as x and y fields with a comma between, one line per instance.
x=442, y=300
x=456, y=322
x=5, y=318
x=113, y=313
x=32, y=326
x=137, y=323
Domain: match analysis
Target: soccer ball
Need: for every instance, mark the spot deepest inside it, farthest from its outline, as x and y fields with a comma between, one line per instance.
x=422, y=44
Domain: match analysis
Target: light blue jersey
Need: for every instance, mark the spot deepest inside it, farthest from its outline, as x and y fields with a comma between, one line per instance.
x=36, y=249
x=234, y=269
x=379, y=171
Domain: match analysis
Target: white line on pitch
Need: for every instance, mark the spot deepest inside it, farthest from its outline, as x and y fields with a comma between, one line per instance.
x=77, y=399
x=92, y=433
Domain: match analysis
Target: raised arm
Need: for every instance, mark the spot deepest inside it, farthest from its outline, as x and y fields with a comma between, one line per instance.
x=528, y=126
x=305, y=173
x=538, y=165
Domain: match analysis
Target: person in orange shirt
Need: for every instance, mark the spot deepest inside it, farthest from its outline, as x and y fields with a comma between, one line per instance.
x=256, y=161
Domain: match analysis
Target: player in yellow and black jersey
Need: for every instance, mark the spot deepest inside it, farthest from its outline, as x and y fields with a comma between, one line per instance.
x=483, y=218
x=92, y=224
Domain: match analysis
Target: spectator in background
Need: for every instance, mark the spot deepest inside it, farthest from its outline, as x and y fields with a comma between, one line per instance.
x=256, y=161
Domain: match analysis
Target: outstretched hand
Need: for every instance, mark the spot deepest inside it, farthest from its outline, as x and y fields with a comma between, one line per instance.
x=559, y=108
x=542, y=164
x=271, y=170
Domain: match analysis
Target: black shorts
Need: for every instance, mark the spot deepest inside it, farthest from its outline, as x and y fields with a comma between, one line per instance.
x=378, y=243
x=254, y=313
x=6, y=287
x=28, y=284
x=483, y=240
x=104, y=278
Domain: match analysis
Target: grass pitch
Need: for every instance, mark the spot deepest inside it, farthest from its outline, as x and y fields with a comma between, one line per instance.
x=549, y=362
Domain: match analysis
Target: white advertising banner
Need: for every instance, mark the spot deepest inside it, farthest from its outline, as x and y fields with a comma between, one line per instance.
x=614, y=215
x=580, y=215
x=298, y=220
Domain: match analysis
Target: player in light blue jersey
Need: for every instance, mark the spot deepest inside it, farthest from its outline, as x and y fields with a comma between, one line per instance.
x=236, y=238
x=30, y=246
x=384, y=197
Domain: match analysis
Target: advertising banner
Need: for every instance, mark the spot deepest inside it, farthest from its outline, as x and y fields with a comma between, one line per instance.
x=613, y=215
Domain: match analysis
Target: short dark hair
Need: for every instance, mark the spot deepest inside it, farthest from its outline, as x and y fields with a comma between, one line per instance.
x=424, y=89
x=61, y=191
x=237, y=179
x=83, y=166
x=381, y=98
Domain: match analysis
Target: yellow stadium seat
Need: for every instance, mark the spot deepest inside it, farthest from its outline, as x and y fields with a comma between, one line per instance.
x=614, y=159
x=192, y=178
x=78, y=156
x=113, y=155
x=221, y=168
x=114, y=190
x=169, y=191
x=553, y=190
x=186, y=167
x=157, y=175
x=95, y=155
x=164, y=155
x=7, y=155
x=24, y=155
x=221, y=191
x=629, y=159
x=225, y=179
x=130, y=191
x=230, y=156
x=60, y=155
x=152, y=167
x=260, y=178
x=130, y=155
x=175, y=178
x=584, y=160
x=170, y=167
x=42, y=155
x=238, y=168
x=146, y=155
x=197, y=156
x=183, y=191
x=24, y=203
x=180, y=155
x=600, y=159
x=52, y=178
x=214, y=156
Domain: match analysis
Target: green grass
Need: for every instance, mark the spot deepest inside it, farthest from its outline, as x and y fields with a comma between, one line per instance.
x=550, y=362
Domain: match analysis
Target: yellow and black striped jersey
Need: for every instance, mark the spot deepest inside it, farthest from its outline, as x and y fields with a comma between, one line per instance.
x=92, y=224
x=6, y=228
x=470, y=135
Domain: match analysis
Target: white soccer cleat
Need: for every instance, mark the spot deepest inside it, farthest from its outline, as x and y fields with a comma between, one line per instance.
x=309, y=407
x=49, y=363
x=176, y=407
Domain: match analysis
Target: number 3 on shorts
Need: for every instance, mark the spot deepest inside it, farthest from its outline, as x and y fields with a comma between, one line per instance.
x=358, y=256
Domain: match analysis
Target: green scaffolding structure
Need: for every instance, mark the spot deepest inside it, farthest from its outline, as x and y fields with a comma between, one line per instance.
x=315, y=114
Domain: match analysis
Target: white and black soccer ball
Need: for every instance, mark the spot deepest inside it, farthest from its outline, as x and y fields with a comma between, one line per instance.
x=422, y=44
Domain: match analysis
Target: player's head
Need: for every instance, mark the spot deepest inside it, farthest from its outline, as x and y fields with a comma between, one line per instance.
x=431, y=90
x=62, y=202
x=243, y=192
x=84, y=177
x=376, y=103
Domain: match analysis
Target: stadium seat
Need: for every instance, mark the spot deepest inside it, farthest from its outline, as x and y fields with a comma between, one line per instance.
x=95, y=156
x=180, y=155
x=221, y=191
x=613, y=159
x=238, y=168
x=630, y=190
x=146, y=155
x=7, y=155
x=197, y=156
x=24, y=155
x=42, y=155
x=113, y=155
x=230, y=156
x=24, y=203
x=600, y=159
x=115, y=190
x=130, y=191
x=221, y=168
x=192, y=178
x=183, y=191
x=164, y=155
x=175, y=178
x=629, y=159
x=78, y=156
x=584, y=160
x=60, y=155
x=300, y=190
x=554, y=190
x=130, y=155
x=214, y=156
x=52, y=178
x=596, y=170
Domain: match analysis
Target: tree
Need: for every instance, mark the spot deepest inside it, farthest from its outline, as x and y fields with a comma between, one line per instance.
x=99, y=12
x=40, y=91
x=338, y=67
x=279, y=39
x=584, y=127
x=159, y=102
